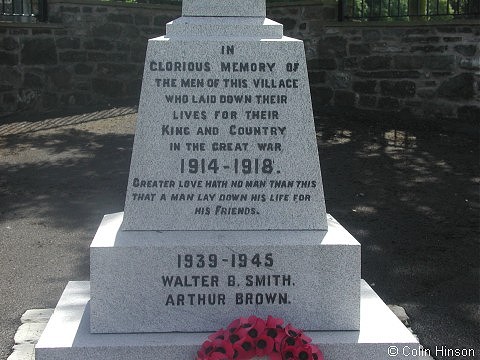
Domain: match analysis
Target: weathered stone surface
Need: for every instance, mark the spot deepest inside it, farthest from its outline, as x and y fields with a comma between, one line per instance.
x=399, y=89
x=142, y=19
x=68, y=43
x=367, y=101
x=429, y=49
x=389, y=74
x=466, y=50
x=288, y=23
x=108, y=30
x=322, y=64
x=32, y=80
x=370, y=35
x=317, y=77
x=107, y=87
x=469, y=113
x=98, y=44
x=321, y=95
x=359, y=49
x=388, y=103
x=61, y=78
x=72, y=56
x=345, y=98
x=10, y=59
x=335, y=45
x=39, y=52
x=440, y=62
x=83, y=69
x=113, y=69
x=408, y=62
x=9, y=43
x=375, y=62
x=238, y=8
x=365, y=87
x=120, y=18
x=459, y=87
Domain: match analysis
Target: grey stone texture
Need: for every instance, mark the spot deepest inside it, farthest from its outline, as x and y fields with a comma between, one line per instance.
x=222, y=8
x=130, y=273
x=409, y=52
x=190, y=202
x=67, y=335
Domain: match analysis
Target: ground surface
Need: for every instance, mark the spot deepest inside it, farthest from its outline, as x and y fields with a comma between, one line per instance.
x=410, y=197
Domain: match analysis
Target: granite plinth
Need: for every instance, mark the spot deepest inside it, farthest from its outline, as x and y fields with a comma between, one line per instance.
x=224, y=27
x=67, y=335
x=236, y=8
x=151, y=281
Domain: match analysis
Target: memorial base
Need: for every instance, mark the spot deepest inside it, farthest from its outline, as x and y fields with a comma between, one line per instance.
x=184, y=281
x=67, y=335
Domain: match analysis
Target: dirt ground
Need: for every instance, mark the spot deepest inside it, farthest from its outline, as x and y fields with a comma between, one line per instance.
x=410, y=196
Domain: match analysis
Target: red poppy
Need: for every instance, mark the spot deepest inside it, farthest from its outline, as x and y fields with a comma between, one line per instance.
x=304, y=352
x=264, y=345
x=273, y=323
x=317, y=354
x=244, y=349
x=219, y=335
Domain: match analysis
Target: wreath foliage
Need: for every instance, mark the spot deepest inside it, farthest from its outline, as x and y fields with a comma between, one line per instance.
x=247, y=338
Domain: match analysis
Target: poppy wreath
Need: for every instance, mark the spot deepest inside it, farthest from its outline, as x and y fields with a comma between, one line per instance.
x=248, y=338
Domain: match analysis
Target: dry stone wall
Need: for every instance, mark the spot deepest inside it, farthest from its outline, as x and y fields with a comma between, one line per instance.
x=93, y=52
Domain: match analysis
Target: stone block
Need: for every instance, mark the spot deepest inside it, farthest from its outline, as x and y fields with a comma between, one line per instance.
x=359, y=49
x=370, y=35
x=39, y=52
x=142, y=20
x=397, y=74
x=222, y=275
x=334, y=45
x=367, y=101
x=9, y=43
x=32, y=80
x=108, y=30
x=408, y=62
x=429, y=49
x=345, y=98
x=249, y=27
x=469, y=113
x=231, y=205
x=388, y=103
x=120, y=18
x=288, y=23
x=321, y=95
x=460, y=87
x=98, y=44
x=213, y=8
x=322, y=64
x=365, y=87
x=466, y=50
x=72, y=56
x=67, y=335
x=317, y=77
x=399, y=89
x=440, y=62
x=83, y=69
x=9, y=59
x=375, y=62
x=68, y=43
x=107, y=87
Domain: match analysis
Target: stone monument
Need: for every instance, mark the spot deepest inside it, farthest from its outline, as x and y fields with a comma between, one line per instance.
x=224, y=213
